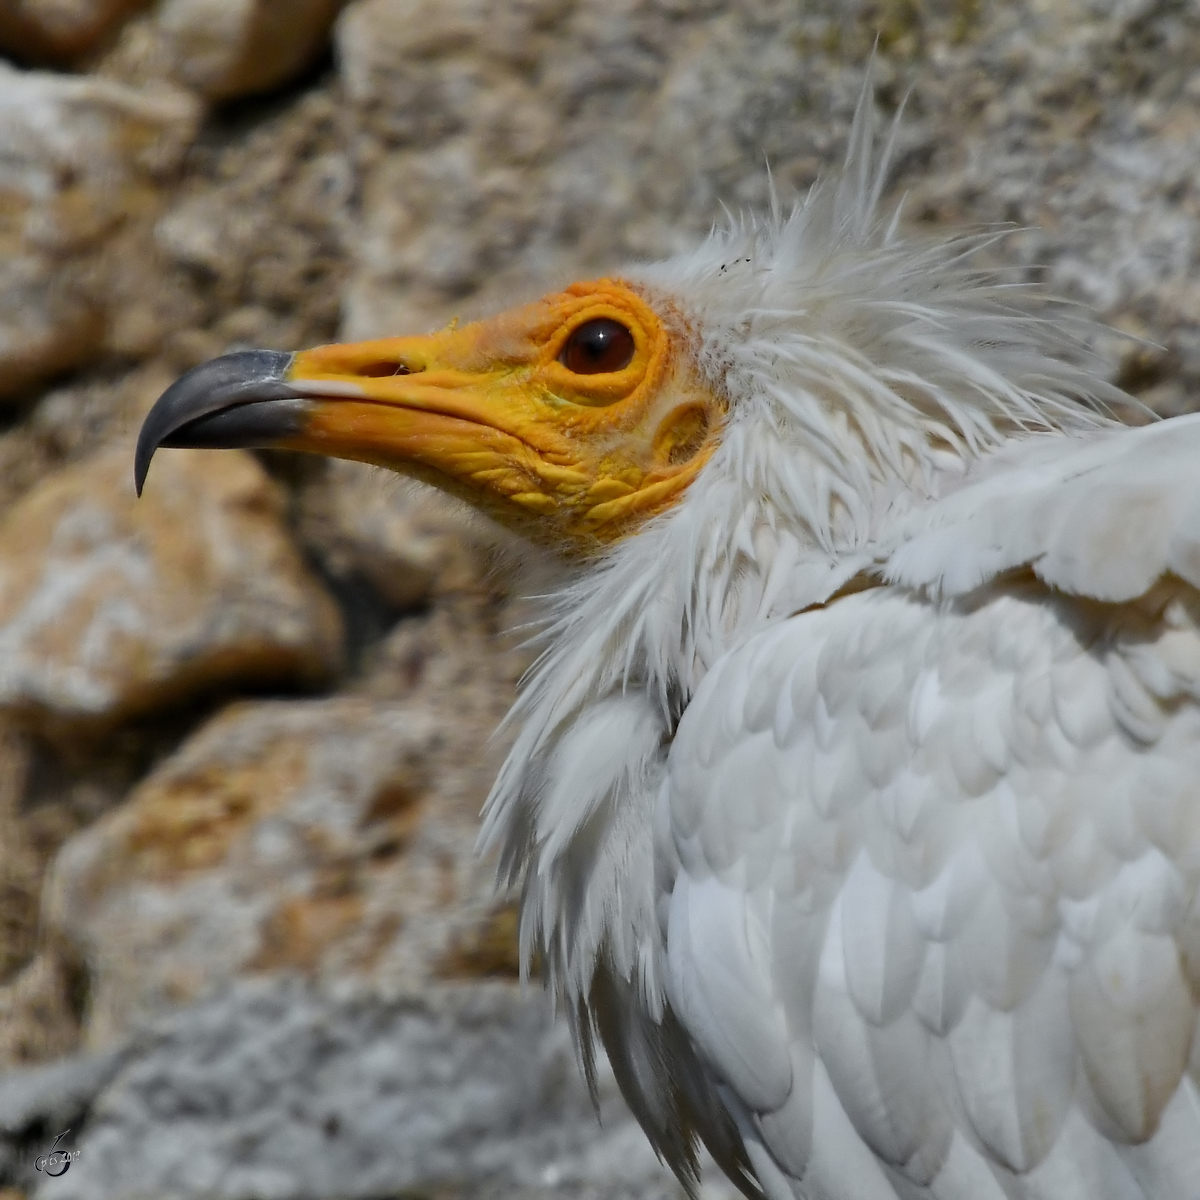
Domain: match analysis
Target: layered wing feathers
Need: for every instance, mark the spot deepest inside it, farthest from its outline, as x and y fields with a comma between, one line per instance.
x=1102, y=515
x=940, y=857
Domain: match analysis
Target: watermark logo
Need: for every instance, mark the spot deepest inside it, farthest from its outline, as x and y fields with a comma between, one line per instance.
x=57, y=1162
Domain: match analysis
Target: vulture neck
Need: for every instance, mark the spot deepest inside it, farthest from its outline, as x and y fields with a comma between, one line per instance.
x=662, y=607
x=627, y=643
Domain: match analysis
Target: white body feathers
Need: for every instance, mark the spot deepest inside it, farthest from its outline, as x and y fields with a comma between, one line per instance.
x=857, y=800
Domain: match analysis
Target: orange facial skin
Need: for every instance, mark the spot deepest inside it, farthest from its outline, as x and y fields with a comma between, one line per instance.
x=489, y=412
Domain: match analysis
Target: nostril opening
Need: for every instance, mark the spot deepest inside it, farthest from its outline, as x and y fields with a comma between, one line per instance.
x=380, y=370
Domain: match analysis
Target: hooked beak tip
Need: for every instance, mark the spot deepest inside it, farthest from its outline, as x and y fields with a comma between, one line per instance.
x=221, y=404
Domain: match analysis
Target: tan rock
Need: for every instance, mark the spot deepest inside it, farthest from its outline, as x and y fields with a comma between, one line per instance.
x=80, y=156
x=69, y=422
x=20, y=871
x=60, y=31
x=39, y=1011
x=111, y=608
x=332, y=838
x=80, y=152
x=229, y=48
x=248, y=248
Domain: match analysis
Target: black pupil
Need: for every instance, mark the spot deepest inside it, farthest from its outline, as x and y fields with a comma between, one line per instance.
x=597, y=347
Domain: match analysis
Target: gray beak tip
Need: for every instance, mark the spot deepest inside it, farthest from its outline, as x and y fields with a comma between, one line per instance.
x=141, y=460
x=188, y=413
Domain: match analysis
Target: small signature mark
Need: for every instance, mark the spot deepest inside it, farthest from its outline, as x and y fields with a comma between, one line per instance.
x=57, y=1162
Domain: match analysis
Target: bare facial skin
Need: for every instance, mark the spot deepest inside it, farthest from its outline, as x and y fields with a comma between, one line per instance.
x=572, y=419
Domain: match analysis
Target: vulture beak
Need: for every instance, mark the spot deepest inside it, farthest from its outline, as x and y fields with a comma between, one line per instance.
x=571, y=418
x=237, y=400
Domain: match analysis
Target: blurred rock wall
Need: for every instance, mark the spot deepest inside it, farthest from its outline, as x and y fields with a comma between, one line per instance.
x=244, y=722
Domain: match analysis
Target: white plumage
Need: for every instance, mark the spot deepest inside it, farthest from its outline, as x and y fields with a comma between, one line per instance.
x=856, y=801
x=856, y=797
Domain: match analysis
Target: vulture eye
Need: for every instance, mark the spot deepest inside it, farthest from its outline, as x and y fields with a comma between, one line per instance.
x=598, y=347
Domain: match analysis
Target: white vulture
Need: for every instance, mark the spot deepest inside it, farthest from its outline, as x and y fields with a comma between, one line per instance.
x=856, y=798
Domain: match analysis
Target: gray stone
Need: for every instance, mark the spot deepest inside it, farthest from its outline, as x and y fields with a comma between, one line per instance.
x=273, y=1090
x=54, y=1097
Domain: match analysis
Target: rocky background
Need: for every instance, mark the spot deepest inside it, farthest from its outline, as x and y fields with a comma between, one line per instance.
x=245, y=948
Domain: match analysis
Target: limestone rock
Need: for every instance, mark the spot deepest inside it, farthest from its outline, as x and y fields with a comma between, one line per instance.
x=250, y=248
x=59, y=31
x=111, y=608
x=1080, y=128
x=79, y=157
x=332, y=838
x=47, y=324
x=275, y=1090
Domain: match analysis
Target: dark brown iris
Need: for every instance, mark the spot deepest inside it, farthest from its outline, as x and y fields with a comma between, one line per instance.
x=598, y=347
